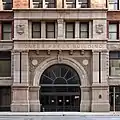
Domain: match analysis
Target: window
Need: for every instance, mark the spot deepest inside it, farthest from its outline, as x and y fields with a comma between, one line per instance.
x=71, y=3
x=76, y=3
x=114, y=63
x=36, y=30
x=7, y=31
x=70, y=30
x=44, y=3
x=50, y=30
x=5, y=98
x=113, y=31
x=84, y=30
x=114, y=98
x=5, y=64
x=7, y=4
x=37, y=3
x=82, y=4
x=50, y=3
x=113, y=4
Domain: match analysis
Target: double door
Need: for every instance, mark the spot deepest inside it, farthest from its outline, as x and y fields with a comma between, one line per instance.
x=60, y=103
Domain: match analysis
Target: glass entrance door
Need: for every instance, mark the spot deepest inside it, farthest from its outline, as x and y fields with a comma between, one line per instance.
x=114, y=98
x=60, y=103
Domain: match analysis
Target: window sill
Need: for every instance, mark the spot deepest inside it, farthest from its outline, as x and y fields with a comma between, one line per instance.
x=5, y=78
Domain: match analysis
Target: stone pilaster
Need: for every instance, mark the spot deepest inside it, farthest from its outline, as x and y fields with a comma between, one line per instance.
x=59, y=3
x=34, y=99
x=43, y=30
x=60, y=28
x=20, y=88
x=24, y=68
x=16, y=68
x=100, y=91
x=85, y=99
x=77, y=27
x=95, y=67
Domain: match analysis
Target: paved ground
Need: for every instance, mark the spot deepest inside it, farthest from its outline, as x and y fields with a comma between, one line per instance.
x=60, y=116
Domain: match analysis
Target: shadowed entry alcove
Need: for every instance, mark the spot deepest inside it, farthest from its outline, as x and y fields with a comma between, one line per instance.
x=60, y=89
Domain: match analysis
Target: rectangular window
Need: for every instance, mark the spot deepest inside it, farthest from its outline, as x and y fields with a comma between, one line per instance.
x=70, y=30
x=5, y=98
x=113, y=31
x=50, y=3
x=84, y=30
x=82, y=4
x=36, y=30
x=37, y=3
x=113, y=4
x=6, y=31
x=5, y=64
x=7, y=4
x=71, y=3
x=50, y=30
x=114, y=65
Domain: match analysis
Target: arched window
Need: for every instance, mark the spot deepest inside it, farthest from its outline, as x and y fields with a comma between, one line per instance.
x=60, y=89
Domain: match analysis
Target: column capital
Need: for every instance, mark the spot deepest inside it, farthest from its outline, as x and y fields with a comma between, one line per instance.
x=60, y=21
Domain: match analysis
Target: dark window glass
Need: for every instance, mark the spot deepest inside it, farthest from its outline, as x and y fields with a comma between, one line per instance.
x=83, y=4
x=5, y=64
x=7, y=4
x=5, y=98
x=70, y=30
x=84, y=30
x=36, y=30
x=50, y=30
x=71, y=3
x=7, y=31
x=50, y=3
x=37, y=4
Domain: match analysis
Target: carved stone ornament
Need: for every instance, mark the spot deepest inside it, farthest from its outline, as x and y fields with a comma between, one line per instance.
x=99, y=28
x=20, y=29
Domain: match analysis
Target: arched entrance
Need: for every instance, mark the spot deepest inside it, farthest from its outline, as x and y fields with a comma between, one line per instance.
x=60, y=89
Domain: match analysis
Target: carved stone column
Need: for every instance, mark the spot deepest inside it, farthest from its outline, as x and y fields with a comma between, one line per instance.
x=60, y=28
x=34, y=99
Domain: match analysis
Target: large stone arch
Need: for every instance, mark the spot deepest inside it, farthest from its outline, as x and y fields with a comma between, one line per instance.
x=68, y=61
x=85, y=85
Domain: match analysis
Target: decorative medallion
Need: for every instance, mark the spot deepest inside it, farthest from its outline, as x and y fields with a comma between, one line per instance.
x=85, y=62
x=34, y=62
x=99, y=28
x=20, y=29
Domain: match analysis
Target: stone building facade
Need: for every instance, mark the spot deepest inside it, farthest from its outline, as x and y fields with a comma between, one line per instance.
x=60, y=53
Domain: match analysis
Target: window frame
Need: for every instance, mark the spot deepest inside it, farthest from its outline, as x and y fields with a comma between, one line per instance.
x=66, y=31
x=6, y=56
x=39, y=23
x=47, y=23
x=3, y=32
x=51, y=3
x=80, y=31
x=113, y=3
x=117, y=30
x=5, y=4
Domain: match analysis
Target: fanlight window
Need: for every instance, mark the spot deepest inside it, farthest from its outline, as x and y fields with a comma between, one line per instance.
x=60, y=74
